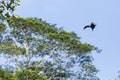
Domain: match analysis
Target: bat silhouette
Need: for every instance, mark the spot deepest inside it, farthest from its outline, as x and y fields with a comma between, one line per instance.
x=92, y=26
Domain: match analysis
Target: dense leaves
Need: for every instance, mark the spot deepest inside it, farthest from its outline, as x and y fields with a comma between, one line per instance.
x=46, y=49
x=32, y=48
x=7, y=7
x=20, y=75
x=6, y=75
x=2, y=27
x=29, y=75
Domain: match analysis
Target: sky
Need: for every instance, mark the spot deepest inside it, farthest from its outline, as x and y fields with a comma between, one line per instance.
x=73, y=15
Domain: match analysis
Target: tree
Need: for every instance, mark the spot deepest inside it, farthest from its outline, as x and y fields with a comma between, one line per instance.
x=36, y=45
x=29, y=75
x=20, y=75
x=7, y=7
x=6, y=75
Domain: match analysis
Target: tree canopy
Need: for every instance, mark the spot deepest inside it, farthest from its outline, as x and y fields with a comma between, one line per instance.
x=7, y=7
x=34, y=44
x=33, y=47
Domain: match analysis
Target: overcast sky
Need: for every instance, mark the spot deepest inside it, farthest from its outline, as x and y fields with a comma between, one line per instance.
x=73, y=15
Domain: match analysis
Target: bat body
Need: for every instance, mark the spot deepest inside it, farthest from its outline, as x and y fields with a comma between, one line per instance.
x=92, y=26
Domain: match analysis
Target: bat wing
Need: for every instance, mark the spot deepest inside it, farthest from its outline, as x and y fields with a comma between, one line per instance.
x=86, y=26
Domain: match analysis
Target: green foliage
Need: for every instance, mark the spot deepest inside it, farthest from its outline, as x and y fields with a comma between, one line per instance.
x=20, y=75
x=35, y=46
x=2, y=27
x=6, y=75
x=33, y=40
x=7, y=7
x=10, y=49
x=52, y=33
x=29, y=75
